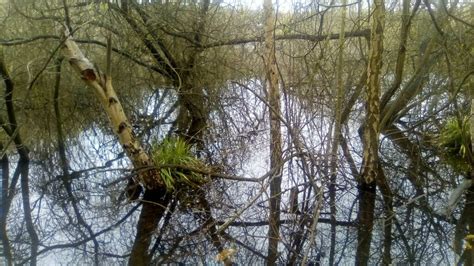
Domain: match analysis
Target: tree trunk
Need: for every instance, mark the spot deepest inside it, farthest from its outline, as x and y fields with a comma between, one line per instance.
x=154, y=206
x=366, y=222
x=369, y=171
x=336, y=137
x=402, y=49
x=23, y=163
x=4, y=175
x=102, y=86
x=273, y=95
x=387, y=195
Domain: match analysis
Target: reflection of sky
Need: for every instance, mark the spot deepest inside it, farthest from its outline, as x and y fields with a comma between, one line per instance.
x=94, y=153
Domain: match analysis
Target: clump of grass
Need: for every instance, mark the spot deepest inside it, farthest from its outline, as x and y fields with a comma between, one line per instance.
x=174, y=159
x=455, y=142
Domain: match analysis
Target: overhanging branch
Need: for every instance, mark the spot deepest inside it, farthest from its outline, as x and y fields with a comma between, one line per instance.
x=302, y=37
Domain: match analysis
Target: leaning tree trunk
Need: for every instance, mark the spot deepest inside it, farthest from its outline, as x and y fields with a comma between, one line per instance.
x=273, y=94
x=369, y=173
x=105, y=93
x=155, y=199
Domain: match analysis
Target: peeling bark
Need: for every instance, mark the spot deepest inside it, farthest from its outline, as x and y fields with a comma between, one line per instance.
x=102, y=86
x=372, y=121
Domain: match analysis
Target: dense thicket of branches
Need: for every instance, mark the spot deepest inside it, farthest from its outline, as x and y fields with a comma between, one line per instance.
x=154, y=132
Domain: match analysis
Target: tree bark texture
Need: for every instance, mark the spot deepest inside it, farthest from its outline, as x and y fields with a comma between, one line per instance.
x=273, y=95
x=369, y=171
x=102, y=86
x=372, y=121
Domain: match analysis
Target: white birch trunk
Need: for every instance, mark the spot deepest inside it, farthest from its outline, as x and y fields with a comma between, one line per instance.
x=104, y=91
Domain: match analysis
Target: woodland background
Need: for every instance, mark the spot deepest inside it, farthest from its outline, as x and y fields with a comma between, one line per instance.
x=202, y=132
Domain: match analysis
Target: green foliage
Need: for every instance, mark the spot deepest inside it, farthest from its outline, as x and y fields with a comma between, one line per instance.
x=176, y=163
x=454, y=140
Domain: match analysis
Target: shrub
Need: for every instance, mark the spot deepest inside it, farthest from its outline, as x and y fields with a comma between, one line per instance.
x=455, y=142
x=177, y=165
